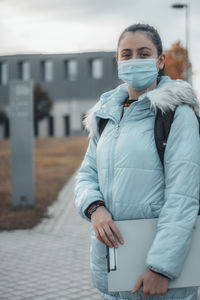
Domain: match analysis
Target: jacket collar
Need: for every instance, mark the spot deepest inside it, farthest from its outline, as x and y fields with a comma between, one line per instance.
x=166, y=96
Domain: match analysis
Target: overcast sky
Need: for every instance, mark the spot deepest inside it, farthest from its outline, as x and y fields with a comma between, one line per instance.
x=63, y=26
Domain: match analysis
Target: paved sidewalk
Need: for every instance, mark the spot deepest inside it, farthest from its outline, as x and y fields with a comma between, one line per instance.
x=50, y=261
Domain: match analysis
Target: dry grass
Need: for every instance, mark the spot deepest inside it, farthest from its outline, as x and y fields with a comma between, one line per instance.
x=56, y=159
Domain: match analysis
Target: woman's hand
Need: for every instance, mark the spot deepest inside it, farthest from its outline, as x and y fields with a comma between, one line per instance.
x=153, y=284
x=103, y=226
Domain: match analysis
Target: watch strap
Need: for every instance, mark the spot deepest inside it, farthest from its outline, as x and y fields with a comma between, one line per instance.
x=93, y=207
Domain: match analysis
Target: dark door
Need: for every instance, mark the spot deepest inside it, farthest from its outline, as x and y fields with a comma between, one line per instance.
x=51, y=126
x=67, y=125
x=7, y=128
x=36, y=128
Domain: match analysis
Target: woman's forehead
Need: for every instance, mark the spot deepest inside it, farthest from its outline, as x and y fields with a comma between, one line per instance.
x=135, y=40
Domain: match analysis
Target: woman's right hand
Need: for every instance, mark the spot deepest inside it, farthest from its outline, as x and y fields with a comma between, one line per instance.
x=104, y=227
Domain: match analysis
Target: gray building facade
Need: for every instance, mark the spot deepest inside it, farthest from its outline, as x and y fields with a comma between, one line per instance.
x=74, y=82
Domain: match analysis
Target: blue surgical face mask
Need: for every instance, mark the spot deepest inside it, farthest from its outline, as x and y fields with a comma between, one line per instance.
x=138, y=73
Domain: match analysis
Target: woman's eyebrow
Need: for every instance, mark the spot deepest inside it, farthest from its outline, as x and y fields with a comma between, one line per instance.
x=127, y=49
x=141, y=48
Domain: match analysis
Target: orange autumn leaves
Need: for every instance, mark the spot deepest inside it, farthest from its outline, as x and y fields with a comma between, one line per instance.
x=175, y=65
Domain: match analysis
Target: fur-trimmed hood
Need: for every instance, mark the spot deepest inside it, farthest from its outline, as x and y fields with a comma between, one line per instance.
x=167, y=95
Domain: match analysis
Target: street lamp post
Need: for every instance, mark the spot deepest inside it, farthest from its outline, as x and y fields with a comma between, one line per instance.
x=186, y=6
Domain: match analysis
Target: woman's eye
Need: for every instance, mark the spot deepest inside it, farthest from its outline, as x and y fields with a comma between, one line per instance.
x=125, y=55
x=144, y=54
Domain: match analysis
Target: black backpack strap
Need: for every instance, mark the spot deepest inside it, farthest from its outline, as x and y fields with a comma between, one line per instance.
x=102, y=125
x=198, y=118
x=162, y=129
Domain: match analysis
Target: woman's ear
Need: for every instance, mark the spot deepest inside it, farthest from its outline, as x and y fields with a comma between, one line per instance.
x=116, y=57
x=161, y=61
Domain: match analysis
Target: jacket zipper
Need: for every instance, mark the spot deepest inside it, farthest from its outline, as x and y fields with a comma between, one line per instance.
x=115, y=136
x=111, y=164
x=111, y=158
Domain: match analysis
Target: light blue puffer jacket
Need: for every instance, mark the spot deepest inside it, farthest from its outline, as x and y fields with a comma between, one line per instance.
x=123, y=168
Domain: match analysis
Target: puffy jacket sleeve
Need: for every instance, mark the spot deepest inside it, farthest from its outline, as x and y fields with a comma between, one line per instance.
x=181, y=195
x=87, y=188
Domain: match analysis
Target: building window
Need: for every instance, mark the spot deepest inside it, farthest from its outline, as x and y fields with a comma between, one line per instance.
x=3, y=73
x=71, y=69
x=96, y=68
x=24, y=70
x=47, y=70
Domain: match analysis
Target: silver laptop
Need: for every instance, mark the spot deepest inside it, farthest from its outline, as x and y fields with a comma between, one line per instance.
x=127, y=263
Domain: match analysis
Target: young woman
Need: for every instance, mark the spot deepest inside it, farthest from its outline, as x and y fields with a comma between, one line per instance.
x=122, y=177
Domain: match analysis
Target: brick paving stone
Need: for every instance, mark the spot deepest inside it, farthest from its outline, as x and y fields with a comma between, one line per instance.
x=74, y=296
x=51, y=297
x=39, y=298
x=18, y=293
x=9, y=296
